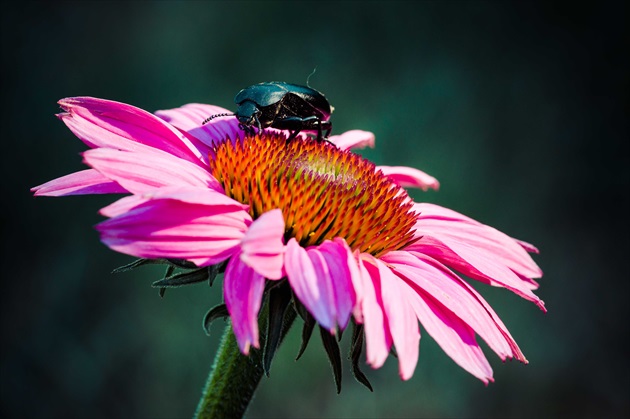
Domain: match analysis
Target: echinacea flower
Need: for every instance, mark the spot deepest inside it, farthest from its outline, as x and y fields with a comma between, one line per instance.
x=341, y=232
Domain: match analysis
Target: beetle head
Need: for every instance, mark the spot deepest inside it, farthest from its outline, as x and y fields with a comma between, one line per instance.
x=248, y=113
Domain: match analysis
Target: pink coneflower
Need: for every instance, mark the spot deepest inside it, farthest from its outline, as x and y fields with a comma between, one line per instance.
x=340, y=231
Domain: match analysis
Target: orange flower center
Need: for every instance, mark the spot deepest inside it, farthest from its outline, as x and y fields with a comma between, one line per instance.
x=323, y=192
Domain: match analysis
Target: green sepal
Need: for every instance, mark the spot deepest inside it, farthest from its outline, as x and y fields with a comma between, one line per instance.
x=137, y=263
x=188, y=277
x=355, y=354
x=334, y=355
x=307, y=331
x=217, y=312
x=169, y=272
x=279, y=300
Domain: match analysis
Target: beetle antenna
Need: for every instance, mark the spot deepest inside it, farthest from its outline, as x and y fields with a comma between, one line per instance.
x=211, y=117
x=309, y=76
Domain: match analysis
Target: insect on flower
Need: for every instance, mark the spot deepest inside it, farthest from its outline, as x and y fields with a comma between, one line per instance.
x=320, y=230
x=283, y=106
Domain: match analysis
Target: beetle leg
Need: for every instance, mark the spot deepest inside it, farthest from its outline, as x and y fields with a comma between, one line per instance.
x=293, y=135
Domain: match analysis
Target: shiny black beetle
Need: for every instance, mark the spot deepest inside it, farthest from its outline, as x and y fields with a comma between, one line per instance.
x=283, y=106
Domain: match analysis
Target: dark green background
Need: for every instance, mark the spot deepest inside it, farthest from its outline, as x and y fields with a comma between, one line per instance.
x=515, y=107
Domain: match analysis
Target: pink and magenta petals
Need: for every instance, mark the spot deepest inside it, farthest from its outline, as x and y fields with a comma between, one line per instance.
x=169, y=228
x=431, y=277
x=262, y=247
x=353, y=139
x=475, y=264
x=449, y=226
x=243, y=289
x=79, y=183
x=402, y=321
x=378, y=340
x=309, y=277
x=143, y=172
x=453, y=335
x=408, y=177
x=94, y=117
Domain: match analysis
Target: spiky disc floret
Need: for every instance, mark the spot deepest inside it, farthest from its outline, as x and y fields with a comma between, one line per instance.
x=323, y=192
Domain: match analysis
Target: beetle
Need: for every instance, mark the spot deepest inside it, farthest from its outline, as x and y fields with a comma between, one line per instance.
x=283, y=106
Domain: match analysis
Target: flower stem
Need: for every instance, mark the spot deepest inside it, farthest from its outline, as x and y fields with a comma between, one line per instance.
x=234, y=377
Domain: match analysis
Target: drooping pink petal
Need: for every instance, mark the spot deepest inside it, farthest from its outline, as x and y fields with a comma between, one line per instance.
x=79, y=183
x=453, y=335
x=378, y=339
x=142, y=172
x=451, y=227
x=243, y=289
x=110, y=124
x=402, y=321
x=262, y=248
x=475, y=264
x=309, y=277
x=353, y=139
x=342, y=265
x=437, y=281
x=204, y=234
x=408, y=177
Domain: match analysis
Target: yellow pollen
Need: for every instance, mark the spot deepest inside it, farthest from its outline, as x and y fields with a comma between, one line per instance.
x=323, y=192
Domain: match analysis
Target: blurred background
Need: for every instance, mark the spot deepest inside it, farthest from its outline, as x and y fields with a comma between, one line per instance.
x=516, y=107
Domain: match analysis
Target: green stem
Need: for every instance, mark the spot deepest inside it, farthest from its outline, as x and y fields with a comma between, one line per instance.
x=234, y=377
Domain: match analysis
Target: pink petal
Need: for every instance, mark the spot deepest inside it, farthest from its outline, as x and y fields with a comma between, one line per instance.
x=262, y=247
x=450, y=227
x=309, y=277
x=342, y=265
x=378, y=340
x=197, y=195
x=353, y=139
x=204, y=234
x=105, y=123
x=527, y=246
x=475, y=264
x=191, y=115
x=142, y=172
x=242, y=291
x=402, y=321
x=453, y=335
x=79, y=183
x=189, y=119
x=122, y=205
x=437, y=281
x=190, y=195
x=408, y=177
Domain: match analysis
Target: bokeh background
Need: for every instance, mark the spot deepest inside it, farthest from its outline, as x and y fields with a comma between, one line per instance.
x=516, y=107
